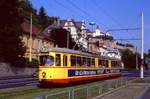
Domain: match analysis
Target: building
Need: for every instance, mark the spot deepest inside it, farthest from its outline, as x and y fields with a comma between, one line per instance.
x=77, y=30
x=38, y=41
x=102, y=43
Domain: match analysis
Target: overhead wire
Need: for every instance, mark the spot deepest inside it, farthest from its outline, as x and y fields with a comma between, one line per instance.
x=70, y=10
x=115, y=21
x=106, y=13
x=86, y=13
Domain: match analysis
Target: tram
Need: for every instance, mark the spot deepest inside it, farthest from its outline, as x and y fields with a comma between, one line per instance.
x=64, y=66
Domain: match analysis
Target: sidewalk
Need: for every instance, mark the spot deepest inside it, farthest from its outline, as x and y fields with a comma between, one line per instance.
x=140, y=90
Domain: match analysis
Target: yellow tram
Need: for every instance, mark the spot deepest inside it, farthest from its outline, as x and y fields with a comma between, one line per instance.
x=63, y=66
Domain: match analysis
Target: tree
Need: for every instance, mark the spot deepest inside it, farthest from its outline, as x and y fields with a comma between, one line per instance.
x=43, y=19
x=129, y=59
x=11, y=47
x=60, y=38
x=105, y=37
x=25, y=9
x=149, y=53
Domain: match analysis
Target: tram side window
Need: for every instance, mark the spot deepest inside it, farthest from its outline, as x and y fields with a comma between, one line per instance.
x=93, y=62
x=88, y=61
x=114, y=63
x=103, y=63
x=78, y=63
x=64, y=60
x=84, y=61
x=106, y=63
x=118, y=64
x=99, y=62
x=58, y=60
x=73, y=60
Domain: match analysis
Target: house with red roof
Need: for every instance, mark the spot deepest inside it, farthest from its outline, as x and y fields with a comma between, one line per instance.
x=37, y=42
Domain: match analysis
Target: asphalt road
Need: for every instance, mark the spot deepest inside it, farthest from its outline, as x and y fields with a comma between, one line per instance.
x=135, y=73
x=18, y=82
x=33, y=81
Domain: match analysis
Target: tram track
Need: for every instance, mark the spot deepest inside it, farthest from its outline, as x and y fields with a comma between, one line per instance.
x=28, y=92
x=11, y=83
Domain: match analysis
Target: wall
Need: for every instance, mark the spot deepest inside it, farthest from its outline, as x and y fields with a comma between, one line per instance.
x=7, y=71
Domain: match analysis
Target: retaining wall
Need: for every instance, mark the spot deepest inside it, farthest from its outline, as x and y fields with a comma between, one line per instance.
x=9, y=71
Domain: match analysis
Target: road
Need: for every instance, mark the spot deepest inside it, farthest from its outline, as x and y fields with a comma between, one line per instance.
x=33, y=81
x=18, y=82
x=135, y=73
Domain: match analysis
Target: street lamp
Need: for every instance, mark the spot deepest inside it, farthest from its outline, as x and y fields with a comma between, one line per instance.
x=92, y=24
x=30, y=51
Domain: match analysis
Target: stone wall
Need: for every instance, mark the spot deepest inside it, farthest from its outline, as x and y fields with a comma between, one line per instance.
x=7, y=71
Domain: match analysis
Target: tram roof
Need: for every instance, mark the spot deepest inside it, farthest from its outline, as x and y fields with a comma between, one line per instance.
x=71, y=51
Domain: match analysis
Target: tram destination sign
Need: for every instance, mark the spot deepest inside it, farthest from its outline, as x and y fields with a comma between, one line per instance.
x=74, y=72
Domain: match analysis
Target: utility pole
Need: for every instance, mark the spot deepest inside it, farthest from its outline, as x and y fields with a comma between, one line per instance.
x=30, y=53
x=142, y=45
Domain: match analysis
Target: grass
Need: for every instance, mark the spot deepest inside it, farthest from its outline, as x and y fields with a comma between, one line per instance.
x=24, y=92
x=80, y=91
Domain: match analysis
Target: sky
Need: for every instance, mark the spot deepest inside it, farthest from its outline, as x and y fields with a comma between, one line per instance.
x=107, y=14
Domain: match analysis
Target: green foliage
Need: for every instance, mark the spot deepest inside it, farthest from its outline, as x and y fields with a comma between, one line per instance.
x=129, y=59
x=25, y=9
x=41, y=20
x=45, y=20
x=149, y=53
x=33, y=64
x=125, y=45
x=105, y=37
x=42, y=17
x=11, y=47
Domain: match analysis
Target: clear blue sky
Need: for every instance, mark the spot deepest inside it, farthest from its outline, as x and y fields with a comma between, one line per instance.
x=108, y=14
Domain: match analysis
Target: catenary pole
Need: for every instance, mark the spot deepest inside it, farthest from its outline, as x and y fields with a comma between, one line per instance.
x=142, y=53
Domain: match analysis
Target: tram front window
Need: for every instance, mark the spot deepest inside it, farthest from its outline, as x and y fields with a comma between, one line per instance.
x=46, y=60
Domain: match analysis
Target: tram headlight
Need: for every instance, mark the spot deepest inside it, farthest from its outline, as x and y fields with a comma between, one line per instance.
x=43, y=74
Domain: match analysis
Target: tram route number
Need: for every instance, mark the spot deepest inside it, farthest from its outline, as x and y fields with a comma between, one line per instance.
x=73, y=72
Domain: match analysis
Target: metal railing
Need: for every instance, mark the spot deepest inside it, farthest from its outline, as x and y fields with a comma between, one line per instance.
x=88, y=91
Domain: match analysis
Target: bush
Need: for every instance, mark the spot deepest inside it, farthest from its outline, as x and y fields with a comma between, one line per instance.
x=33, y=64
